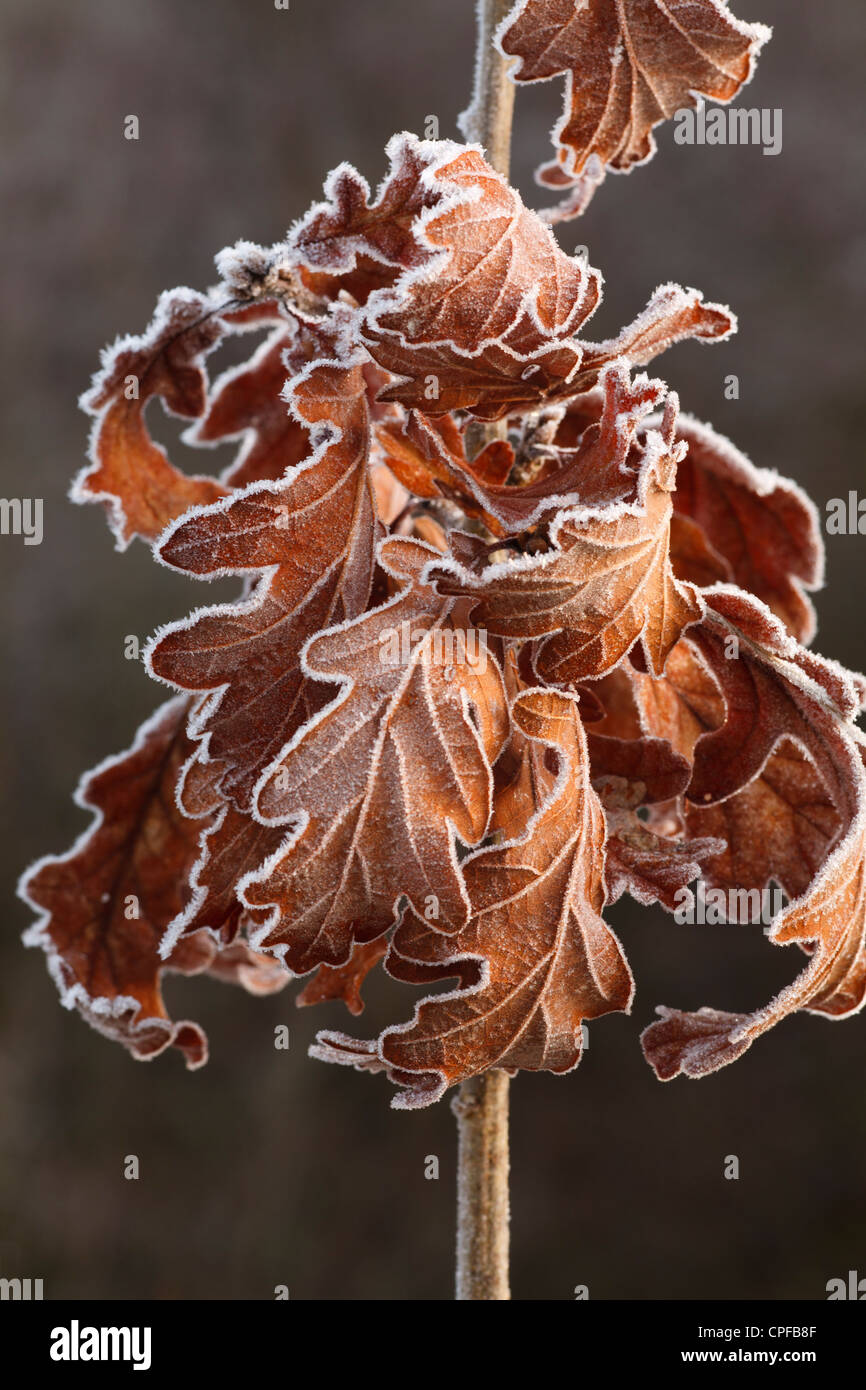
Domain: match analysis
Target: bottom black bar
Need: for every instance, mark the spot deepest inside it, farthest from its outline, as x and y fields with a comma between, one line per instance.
x=82, y=1339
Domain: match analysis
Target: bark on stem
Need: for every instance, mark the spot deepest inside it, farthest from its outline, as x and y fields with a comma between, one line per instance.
x=481, y=1107
x=487, y=121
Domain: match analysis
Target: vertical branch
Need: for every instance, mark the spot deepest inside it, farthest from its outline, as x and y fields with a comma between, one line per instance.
x=481, y=1107
x=487, y=121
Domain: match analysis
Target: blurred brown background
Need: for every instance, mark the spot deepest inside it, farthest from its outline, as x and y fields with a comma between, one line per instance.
x=266, y=1167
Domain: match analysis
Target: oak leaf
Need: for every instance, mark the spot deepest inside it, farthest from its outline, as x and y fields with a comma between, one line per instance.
x=629, y=65
x=386, y=779
x=763, y=526
x=309, y=539
x=231, y=844
x=128, y=472
x=778, y=693
x=732, y=523
x=345, y=981
x=780, y=825
x=354, y=244
x=534, y=961
x=772, y=687
x=105, y=905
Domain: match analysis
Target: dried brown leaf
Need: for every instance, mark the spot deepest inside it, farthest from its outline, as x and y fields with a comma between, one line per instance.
x=310, y=541
x=128, y=472
x=606, y=583
x=534, y=961
x=382, y=782
x=778, y=693
x=629, y=65
x=104, y=907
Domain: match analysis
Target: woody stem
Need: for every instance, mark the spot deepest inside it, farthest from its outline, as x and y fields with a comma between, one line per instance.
x=481, y=1107
x=488, y=119
x=488, y=122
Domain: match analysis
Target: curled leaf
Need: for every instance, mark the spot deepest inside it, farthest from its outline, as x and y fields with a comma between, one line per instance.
x=606, y=583
x=763, y=526
x=604, y=466
x=535, y=959
x=128, y=472
x=776, y=694
x=354, y=244
x=105, y=905
x=772, y=688
x=629, y=65
x=345, y=981
x=780, y=827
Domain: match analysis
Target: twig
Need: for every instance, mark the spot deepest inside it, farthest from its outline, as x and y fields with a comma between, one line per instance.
x=481, y=1107
x=487, y=121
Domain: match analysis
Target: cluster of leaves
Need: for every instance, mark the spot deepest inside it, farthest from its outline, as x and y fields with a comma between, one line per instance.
x=515, y=636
